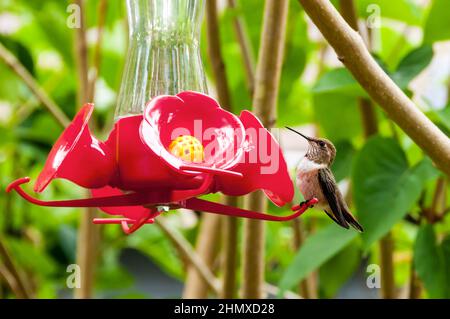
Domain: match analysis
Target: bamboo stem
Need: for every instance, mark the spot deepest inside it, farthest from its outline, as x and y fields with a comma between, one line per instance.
x=12, y=282
x=206, y=247
x=88, y=233
x=306, y=287
x=246, y=47
x=101, y=13
x=253, y=250
x=415, y=286
x=387, y=267
x=194, y=259
x=439, y=198
x=14, y=64
x=367, y=111
x=267, y=78
x=230, y=247
x=229, y=223
x=352, y=51
x=188, y=253
x=215, y=55
x=370, y=127
x=81, y=56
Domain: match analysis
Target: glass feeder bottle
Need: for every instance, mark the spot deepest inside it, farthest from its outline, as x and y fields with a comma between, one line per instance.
x=163, y=54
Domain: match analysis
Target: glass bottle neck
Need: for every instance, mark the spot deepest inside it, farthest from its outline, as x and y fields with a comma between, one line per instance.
x=163, y=54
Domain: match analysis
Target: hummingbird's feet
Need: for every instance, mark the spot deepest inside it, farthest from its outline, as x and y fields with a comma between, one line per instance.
x=305, y=204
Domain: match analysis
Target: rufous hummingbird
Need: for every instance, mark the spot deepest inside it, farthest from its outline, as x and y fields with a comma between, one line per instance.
x=315, y=179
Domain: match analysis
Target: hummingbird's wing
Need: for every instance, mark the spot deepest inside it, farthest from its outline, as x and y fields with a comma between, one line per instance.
x=339, y=210
x=330, y=191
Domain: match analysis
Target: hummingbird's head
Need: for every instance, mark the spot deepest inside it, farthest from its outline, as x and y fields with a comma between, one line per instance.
x=320, y=150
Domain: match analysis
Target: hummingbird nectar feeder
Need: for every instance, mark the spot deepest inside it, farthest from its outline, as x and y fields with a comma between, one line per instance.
x=164, y=154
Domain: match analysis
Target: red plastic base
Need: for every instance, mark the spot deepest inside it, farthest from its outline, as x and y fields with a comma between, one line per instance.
x=149, y=201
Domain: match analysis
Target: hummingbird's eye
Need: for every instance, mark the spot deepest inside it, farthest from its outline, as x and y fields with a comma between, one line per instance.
x=322, y=144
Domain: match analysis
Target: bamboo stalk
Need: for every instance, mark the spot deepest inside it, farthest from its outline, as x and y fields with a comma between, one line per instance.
x=230, y=251
x=101, y=13
x=230, y=229
x=267, y=78
x=188, y=253
x=352, y=51
x=195, y=260
x=439, y=198
x=206, y=247
x=88, y=233
x=215, y=55
x=81, y=56
x=415, y=286
x=370, y=127
x=246, y=47
x=387, y=267
x=11, y=281
x=306, y=287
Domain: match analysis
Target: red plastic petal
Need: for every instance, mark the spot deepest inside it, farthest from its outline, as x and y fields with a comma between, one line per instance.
x=263, y=167
x=195, y=114
x=75, y=146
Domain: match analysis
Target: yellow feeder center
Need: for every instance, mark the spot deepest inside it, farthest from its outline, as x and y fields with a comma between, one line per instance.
x=188, y=148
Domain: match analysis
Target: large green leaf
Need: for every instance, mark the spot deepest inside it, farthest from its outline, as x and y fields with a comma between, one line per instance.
x=444, y=116
x=412, y=64
x=31, y=257
x=336, y=271
x=432, y=262
x=385, y=187
x=342, y=165
x=338, y=80
x=437, y=25
x=338, y=115
x=315, y=251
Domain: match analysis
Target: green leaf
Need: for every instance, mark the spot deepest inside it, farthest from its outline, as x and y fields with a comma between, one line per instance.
x=437, y=25
x=444, y=116
x=412, y=64
x=30, y=257
x=336, y=271
x=343, y=163
x=338, y=80
x=315, y=251
x=432, y=262
x=331, y=106
x=385, y=187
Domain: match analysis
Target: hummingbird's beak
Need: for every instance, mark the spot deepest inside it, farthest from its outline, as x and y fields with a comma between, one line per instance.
x=309, y=139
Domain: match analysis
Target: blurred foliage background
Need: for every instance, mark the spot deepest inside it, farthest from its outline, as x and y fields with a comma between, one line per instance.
x=390, y=184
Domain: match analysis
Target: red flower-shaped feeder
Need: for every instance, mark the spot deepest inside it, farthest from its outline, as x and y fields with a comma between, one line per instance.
x=182, y=147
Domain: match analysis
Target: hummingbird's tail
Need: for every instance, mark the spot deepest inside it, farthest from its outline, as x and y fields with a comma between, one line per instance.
x=352, y=220
x=348, y=218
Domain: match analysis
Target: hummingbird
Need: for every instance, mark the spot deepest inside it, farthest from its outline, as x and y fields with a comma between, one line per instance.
x=315, y=179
